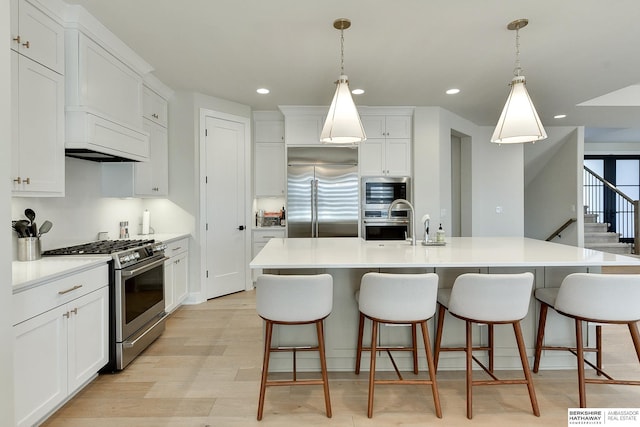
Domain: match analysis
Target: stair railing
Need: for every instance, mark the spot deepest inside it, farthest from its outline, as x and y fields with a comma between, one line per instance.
x=612, y=206
x=561, y=229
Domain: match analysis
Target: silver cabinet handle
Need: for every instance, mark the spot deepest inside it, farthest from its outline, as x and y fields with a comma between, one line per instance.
x=69, y=290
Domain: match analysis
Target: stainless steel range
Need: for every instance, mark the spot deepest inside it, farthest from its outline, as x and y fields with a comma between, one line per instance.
x=136, y=306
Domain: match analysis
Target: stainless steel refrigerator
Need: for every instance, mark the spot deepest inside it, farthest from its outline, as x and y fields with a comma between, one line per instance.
x=322, y=192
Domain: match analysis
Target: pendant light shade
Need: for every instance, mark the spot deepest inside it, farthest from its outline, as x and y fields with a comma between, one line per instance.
x=519, y=121
x=343, y=125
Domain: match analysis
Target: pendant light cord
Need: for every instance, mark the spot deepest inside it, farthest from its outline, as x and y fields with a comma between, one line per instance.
x=518, y=69
x=342, y=50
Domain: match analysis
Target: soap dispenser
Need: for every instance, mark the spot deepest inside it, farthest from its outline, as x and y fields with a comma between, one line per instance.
x=440, y=234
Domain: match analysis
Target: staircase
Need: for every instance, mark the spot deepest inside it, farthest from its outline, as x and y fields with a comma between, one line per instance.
x=597, y=237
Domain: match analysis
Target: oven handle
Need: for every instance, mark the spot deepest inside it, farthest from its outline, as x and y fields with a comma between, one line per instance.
x=139, y=270
x=391, y=221
x=129, y=344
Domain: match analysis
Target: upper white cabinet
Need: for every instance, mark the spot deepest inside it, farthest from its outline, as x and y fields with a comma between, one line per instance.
x=37, y=101
x=103, y=100
x=269, y=154
x=154, y=107
x=37, y=167
x=150, y=178
x=387, y=150
x=37, y=35
x=303, y=124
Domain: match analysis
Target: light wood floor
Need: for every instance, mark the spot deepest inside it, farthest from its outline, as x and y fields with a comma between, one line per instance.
x=205, y=371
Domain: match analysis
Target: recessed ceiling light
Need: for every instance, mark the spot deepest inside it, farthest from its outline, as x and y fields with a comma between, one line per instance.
x=357, y=91
x=452, y=91
x=263, y=91
x=560, y=116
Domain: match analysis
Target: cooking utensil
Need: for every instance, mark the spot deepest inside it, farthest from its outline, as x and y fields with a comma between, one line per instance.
x=22, y=228
x=29, y=213
x=45, y=227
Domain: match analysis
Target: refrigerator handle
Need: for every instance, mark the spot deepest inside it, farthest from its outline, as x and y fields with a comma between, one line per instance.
x=315, y=201
x=313, y=207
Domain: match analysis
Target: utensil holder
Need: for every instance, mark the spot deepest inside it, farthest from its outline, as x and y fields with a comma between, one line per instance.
x=29, y=249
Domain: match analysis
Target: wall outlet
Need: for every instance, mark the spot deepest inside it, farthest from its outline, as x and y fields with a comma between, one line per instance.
x=498, y=209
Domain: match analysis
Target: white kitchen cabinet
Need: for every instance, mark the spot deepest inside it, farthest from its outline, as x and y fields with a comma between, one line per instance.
x=303, y=129
x=154, y=107
x=270, y=169
x=270, y=130
x=37, y=35
x=387, y=150
x=140, y=179
x=61, y=341
x=176, y=273
x=37, y=98
x=260, y=237
x=103, y=101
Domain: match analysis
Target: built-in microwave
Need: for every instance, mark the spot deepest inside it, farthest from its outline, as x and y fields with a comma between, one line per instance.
x=378, y=192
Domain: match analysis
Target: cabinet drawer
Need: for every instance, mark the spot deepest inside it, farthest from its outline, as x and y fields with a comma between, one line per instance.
x=177, y=247
x=54, y=293
x=263, y=236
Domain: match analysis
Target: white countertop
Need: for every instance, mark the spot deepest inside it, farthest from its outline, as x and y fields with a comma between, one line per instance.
x=26, y=274
x=458, y=252
x=160, y=237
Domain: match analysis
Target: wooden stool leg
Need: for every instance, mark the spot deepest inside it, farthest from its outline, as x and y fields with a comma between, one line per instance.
x=414, y=344
x=359, y=351
x=372, y=369
x=635, y=337
x=436, y=352
x=469, y=377
x=490, y=344
x=580, y=354
x=525, y=368
x=265, y=366
x=432, y=369
x=541, y=325
x=323, y=367
x=599, y=349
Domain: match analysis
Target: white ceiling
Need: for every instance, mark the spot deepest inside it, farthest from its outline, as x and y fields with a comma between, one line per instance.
x=402, y=52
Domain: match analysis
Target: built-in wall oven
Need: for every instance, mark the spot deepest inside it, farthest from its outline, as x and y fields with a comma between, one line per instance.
x=136, y=294
x=377, y=193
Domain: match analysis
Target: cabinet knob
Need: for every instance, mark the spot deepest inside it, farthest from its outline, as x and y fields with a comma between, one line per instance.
x=75, y=310
x=27, y=45
x=241, y=228
x=16, y=39
x=18, y=180
x=27, y=181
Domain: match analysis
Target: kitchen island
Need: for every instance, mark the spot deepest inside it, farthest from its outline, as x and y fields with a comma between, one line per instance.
x=347, y=259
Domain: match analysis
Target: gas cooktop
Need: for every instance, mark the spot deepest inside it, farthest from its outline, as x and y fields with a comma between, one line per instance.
x=101, y=247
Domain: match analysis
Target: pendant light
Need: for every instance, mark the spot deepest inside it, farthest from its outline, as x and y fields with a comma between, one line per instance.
x=343, y=125
x=519, y=121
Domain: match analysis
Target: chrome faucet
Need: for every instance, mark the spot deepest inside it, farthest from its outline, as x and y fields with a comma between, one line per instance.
x=413, y=223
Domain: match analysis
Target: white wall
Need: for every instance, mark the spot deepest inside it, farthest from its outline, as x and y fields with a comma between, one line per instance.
x=6, y=332
x=496, y=175
x=553, y=193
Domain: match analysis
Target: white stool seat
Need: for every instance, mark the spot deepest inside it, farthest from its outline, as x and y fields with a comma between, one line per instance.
x=487, y=299
x=294, y=300
x=399, y=299
x=597, y=298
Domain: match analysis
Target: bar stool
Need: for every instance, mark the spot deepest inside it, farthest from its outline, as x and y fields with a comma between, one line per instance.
x=599, y=298
x=488, y=299
x=398, y=299
x=294, y=300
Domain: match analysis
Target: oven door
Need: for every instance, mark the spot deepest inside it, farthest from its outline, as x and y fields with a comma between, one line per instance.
x=386, y=230
x=139, y=296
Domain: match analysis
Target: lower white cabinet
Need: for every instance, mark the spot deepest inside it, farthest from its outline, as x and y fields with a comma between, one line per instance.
x=260, y=238
x=176, y=273
x=60, y=350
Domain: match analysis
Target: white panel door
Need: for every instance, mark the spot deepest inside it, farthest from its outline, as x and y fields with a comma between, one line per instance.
x=225, y=206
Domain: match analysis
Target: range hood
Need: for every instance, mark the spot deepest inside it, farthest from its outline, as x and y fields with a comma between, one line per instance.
x=92, y=136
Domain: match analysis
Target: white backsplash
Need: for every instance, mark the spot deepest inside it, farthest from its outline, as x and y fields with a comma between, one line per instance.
x=83, y=212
